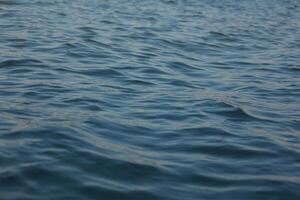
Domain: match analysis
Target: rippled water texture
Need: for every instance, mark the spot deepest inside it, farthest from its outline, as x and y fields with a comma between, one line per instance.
x=144, y=100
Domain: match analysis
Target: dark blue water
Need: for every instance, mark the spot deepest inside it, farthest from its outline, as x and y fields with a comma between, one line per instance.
x=146, y=100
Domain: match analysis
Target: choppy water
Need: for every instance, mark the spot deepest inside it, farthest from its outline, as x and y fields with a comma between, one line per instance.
x=136, y=99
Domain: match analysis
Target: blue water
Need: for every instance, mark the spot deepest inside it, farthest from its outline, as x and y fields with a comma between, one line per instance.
x=146, y=100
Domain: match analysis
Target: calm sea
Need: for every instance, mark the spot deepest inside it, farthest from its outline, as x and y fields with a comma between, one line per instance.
x=149, y=99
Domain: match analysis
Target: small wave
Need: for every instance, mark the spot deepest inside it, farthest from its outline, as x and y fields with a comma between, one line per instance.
x=149, y=99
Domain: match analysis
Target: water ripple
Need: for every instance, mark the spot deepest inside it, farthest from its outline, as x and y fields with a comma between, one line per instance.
x=138, y=99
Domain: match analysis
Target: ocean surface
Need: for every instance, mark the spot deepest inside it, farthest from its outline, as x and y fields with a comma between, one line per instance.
x=149, y=99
